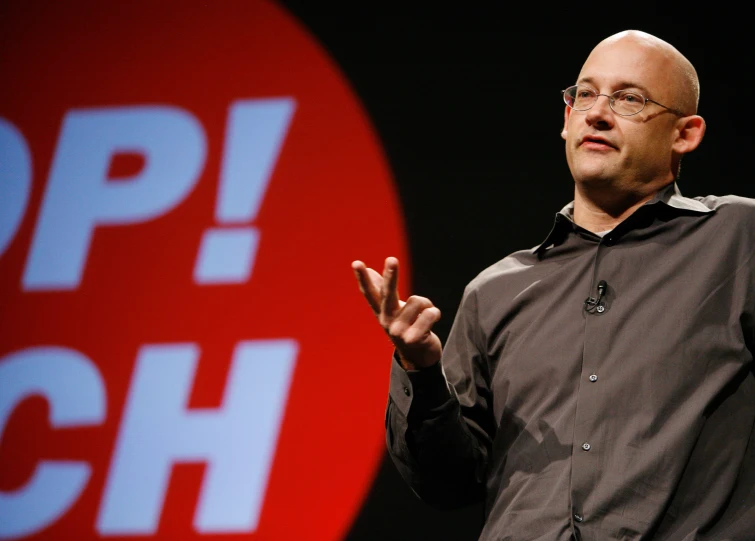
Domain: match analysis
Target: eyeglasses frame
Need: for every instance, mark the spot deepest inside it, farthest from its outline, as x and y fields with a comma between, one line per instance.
x=611, y=99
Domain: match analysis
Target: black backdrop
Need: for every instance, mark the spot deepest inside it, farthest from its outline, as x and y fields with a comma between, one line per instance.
x=480, y=170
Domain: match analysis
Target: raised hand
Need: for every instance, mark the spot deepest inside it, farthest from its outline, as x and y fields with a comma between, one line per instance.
x=408, y=323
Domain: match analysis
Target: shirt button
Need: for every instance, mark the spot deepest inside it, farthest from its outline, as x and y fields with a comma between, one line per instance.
x=578, y=517
x=593, y=377
x=407, y=392
x=586, y=446
x=601, y=308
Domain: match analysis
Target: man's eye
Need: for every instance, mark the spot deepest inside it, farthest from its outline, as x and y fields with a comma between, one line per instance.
x=630, y=98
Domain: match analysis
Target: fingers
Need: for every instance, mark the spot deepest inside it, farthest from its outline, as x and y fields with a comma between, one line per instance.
x=422, y=327
x=368, y=281
x=381, y=292
x=415, y=321
x=389, y=292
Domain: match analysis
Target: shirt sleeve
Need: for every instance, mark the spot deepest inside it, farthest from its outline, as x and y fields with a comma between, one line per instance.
x=439, y=425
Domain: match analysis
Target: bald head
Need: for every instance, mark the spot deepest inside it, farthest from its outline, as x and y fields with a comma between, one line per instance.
x=683, y=84
x=636, y=153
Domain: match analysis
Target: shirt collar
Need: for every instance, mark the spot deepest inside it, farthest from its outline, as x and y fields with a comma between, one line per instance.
x=669, y=196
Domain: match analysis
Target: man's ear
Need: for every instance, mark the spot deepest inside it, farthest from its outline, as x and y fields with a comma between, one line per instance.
x=689, y=135
x=567, y=112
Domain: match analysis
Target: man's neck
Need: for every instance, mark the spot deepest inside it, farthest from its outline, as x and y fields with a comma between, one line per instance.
x=602, y=210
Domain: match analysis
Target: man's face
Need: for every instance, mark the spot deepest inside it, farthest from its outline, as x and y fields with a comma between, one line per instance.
x=606, y=149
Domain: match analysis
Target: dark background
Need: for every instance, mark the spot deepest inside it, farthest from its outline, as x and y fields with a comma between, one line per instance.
x=467, y=104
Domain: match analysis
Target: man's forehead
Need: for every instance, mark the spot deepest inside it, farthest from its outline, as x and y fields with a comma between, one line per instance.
x=615, y=83
x=626, y=63
x=625, y=54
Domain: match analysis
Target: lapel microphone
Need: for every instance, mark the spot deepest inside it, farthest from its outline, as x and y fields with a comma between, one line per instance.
x=591, y=304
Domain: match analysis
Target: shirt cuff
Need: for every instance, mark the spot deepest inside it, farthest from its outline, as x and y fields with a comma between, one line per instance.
x=419, y=390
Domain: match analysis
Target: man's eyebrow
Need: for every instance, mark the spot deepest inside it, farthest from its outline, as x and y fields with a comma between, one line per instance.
x=621, y=85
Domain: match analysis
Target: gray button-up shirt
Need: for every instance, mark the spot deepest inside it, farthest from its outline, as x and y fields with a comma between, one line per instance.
x=625, y=413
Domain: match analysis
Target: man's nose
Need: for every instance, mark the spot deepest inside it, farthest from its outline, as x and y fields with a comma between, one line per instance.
x=601, y=111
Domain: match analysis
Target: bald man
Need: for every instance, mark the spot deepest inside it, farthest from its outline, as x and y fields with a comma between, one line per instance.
x=599, y=386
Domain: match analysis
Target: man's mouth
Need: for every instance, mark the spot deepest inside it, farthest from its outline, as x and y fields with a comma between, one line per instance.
x=595, y=142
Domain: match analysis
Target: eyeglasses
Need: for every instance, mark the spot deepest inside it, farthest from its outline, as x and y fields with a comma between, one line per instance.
x=622, y=102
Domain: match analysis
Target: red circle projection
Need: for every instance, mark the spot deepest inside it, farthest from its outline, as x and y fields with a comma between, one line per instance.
x=182, y=333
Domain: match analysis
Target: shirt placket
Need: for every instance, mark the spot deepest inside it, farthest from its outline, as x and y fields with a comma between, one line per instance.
x=588, y=449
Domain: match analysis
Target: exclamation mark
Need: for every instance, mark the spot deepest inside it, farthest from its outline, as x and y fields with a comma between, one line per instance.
x=254, y=136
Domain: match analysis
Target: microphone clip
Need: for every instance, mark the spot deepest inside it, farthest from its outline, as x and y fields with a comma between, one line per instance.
x=592, y=304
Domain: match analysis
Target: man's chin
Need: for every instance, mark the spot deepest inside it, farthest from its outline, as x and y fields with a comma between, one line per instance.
x=593, y=168
x=595, y=178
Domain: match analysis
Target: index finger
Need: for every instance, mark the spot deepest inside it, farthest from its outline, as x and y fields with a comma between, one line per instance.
x=366, y=286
